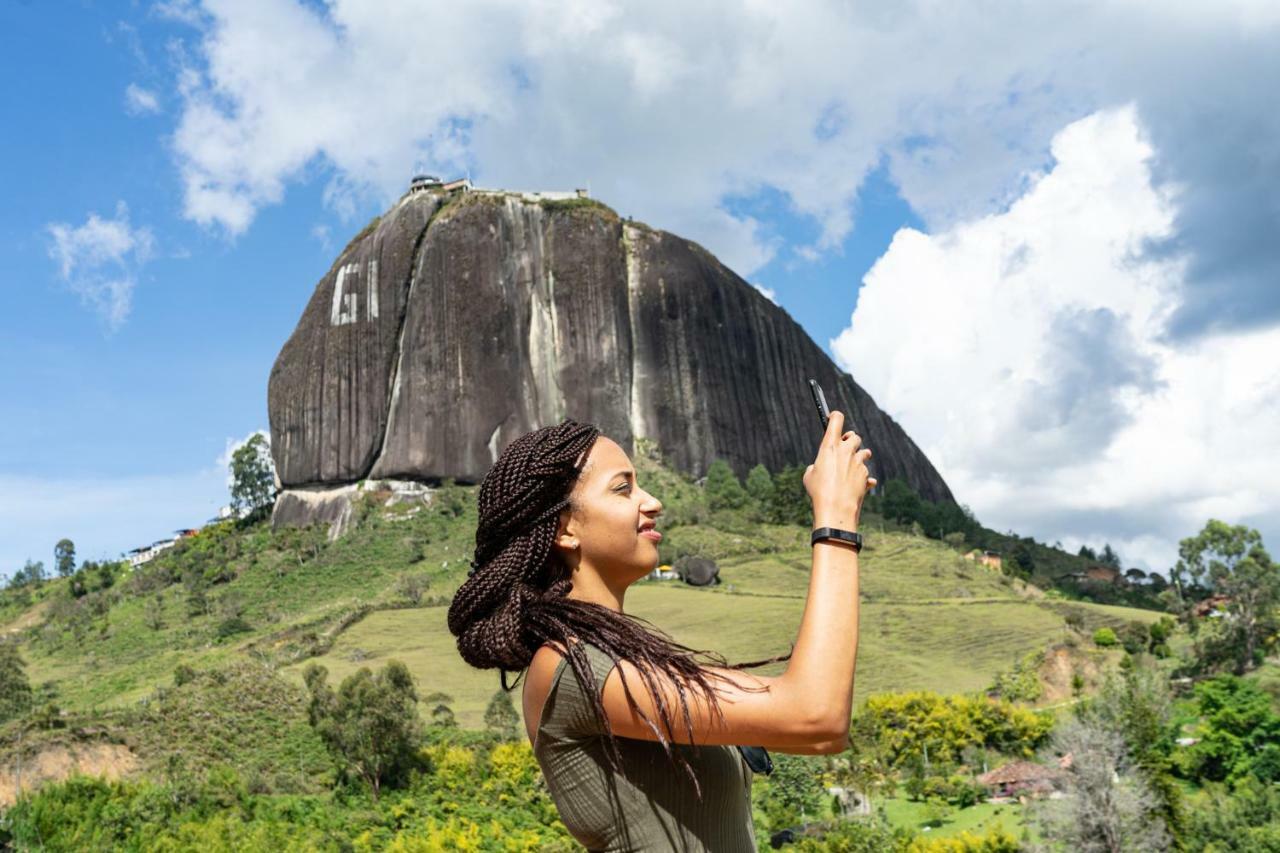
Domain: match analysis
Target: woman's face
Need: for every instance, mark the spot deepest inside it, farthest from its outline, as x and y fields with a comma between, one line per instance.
x=608, y=509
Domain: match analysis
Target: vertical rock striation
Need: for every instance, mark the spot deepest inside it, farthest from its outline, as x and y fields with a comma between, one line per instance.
x=453, y=325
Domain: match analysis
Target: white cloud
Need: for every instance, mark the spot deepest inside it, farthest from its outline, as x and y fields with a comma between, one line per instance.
x=100, y=261
x=1023, y=353
x=668, y=108
x=769, y=292
x=323, y=235
x=140, y=101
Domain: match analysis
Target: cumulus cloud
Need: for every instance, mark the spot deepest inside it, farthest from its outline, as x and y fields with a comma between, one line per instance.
x=668, y=108
x=1025, y=352
x=100, y=261
x=140, y=101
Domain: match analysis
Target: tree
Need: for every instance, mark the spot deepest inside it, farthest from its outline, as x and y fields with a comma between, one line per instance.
x=253, y=482
x=500, y=717
x=106, y=575
x=760, y=491
x=15, y=689
x=900, y=502
x=31, y=574
x=790, y=503
x=1231, y=561
x=1088, y=553
x=64, y=557
x=794, y=793
x=1109, y=557
x=441, y=712
x=1106, y=808
x=724, y=491
x=371, y=725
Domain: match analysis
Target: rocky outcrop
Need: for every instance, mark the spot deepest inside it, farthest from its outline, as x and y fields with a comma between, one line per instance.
x=453, y=325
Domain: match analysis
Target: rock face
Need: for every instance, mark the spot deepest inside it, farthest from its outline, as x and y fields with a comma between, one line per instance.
x=455, y=324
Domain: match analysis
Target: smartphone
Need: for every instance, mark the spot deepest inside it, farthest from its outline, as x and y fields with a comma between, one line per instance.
x=820, y=400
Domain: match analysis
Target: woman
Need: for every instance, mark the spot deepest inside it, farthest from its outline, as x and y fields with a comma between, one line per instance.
x=634, y=735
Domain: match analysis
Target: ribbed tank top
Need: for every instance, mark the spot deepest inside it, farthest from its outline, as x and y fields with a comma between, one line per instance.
x=651, y=804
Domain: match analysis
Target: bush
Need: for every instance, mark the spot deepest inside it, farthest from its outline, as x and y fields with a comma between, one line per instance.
x=231, y=627
x=1105, y=638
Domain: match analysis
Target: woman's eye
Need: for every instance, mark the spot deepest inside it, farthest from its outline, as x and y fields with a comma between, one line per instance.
x=626, y=486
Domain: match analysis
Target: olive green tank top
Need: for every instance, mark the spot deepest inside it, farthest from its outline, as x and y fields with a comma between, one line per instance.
x=651, y=805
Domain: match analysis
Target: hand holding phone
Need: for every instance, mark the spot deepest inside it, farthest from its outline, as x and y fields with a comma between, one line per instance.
x=838, y=480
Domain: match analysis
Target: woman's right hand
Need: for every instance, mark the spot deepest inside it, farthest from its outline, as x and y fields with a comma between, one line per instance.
x=838, y=479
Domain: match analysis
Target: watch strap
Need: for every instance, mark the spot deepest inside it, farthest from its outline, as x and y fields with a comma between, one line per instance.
x=852, y=537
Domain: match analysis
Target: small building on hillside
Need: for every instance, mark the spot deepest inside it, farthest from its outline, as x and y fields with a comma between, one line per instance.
x=991, y=559
x=1102, y=574
x=663, y=573
x=1020, y=778
x=1214, y=605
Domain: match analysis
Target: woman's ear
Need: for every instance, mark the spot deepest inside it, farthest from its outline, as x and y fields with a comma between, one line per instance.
x=566, y=531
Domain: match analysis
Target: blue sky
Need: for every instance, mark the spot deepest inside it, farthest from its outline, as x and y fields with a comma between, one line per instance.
x=179, y=175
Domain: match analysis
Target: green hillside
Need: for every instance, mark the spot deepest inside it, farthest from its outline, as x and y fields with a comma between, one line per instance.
x=930, y=619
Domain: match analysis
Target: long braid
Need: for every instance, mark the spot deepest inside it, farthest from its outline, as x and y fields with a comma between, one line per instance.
x=515, y=597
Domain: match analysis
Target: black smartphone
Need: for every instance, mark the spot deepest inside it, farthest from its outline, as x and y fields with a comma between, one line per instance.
x=820, y=400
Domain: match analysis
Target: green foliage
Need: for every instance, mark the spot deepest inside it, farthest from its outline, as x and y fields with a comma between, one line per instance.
x=790, y=503
x=1022, y=682
x=902, y=727
x=230, y=627
x=723, y=489
x=1244, y=817
x=371, y=724
x=1136, y=705
x=1105, y=638
x=1239, y=733
x=760, y=490
x=31, y=574
x=870, y=835
x=1135, y=637
x=242, y=715
x=899, y=502
x=64, y=557
x=253, y=485
x=442, y=714
x=791, y=793
x=1231, y=561
x=15, y=689
x=470, y=798
x=501, y=718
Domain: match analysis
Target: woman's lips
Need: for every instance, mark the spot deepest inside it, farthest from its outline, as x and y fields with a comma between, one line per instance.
x=651, y=534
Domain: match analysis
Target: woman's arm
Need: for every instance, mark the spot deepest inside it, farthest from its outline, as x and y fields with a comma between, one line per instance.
x=810, y=704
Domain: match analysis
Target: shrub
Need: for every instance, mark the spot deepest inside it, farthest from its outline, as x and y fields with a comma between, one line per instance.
x=231, y=627
x=1105, y=638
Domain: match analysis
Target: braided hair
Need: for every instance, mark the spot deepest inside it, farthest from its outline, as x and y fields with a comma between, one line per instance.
x=515, y=597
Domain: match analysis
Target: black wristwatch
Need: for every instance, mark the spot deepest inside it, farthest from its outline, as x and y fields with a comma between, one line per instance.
x=854, y=539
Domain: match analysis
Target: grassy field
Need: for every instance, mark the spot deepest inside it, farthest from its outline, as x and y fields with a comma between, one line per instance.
x=929, y=618
x=978, y=819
